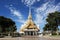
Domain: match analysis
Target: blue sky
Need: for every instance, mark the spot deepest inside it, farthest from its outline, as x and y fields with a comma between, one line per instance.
x=18, y=10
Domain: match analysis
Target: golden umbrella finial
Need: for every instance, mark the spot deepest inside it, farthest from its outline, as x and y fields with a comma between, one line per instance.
x=30, y=16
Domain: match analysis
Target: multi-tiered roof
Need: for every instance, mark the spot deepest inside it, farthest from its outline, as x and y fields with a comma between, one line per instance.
x=29, y=24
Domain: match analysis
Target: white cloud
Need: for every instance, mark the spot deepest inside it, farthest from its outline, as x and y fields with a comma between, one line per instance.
x=29, y=2
x=17, y=14
x=38, y=18
x=44, y=10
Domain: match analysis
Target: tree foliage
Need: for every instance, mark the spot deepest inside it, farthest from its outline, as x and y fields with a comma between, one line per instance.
x=7, y=25
x=53, y=20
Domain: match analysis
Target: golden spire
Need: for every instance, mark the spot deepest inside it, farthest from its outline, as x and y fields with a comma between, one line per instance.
x=29, y=23
x=30, y=16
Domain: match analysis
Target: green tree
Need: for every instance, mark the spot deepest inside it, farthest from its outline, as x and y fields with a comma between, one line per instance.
x=46, y=28
x=7, y=25
x=53, y=20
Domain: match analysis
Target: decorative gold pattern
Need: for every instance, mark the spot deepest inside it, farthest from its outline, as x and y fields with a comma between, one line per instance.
x=29, y=24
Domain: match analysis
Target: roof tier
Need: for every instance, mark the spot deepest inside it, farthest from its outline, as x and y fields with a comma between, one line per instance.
x=29, y=24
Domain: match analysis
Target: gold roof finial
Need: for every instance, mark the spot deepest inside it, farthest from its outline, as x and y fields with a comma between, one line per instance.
x=30, y=16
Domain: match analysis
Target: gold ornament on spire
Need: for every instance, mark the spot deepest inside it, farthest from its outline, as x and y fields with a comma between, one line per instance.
x=30, y=16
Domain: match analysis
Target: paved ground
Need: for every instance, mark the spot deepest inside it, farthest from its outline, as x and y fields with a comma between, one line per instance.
x=29, y=38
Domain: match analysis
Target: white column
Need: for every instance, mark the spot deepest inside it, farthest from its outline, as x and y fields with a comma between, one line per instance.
x=36, y=33
x=33, y=33
x=26, y=33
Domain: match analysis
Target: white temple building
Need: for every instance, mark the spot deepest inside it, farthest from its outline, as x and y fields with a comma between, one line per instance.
x=30, y=28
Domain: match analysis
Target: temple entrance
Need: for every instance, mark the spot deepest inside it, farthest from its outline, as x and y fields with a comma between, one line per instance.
x=31, y=33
